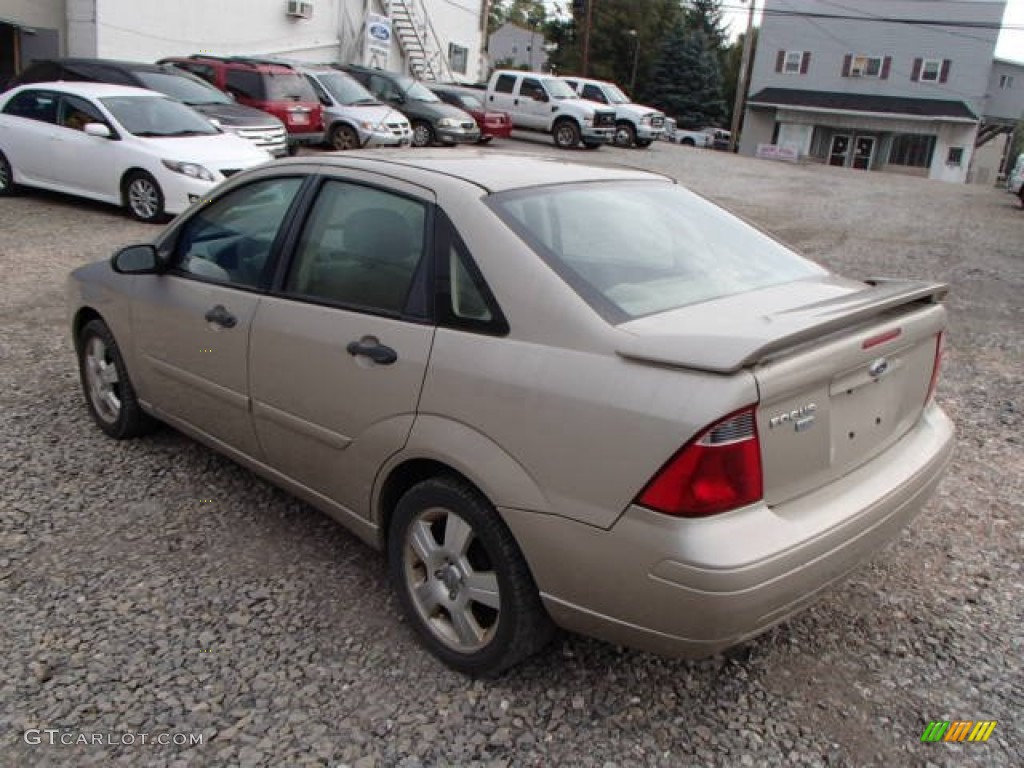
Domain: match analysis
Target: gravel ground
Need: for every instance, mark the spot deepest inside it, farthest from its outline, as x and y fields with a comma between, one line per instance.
x=154, y=587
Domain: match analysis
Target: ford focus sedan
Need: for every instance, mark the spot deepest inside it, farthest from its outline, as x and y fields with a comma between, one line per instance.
x=554, y=395
x=127, y=146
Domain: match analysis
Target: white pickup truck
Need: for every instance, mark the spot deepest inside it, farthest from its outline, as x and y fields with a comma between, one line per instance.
x=634, y=123
x=677, y=135
x=544, y=103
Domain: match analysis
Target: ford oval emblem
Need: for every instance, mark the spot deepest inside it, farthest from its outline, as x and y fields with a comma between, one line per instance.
x=878, y=368
x=380, y=32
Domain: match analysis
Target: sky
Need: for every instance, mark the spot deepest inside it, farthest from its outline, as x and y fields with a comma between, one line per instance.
x=1010, y=45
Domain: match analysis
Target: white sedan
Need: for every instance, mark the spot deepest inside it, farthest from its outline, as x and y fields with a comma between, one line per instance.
x=127, y=146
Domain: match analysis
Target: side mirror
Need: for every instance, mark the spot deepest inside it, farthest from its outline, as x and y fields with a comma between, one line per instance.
x=137, y=260
x=97, y=129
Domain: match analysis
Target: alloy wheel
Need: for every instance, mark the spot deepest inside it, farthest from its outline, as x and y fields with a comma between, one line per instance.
x=143, y=198
x=451, y=580
x=102, y=380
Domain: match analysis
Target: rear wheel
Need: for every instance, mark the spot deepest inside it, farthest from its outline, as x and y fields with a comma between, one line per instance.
x=6, y=177
x=109, y=393
x=461, y=579
x=625, y=134
x=422, y=134
x=566, y=134
x=344, y=137
x=144, y=198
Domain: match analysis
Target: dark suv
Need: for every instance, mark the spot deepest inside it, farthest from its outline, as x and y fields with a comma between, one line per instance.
x=263, y=130
x=272, y=87
x=432, y=120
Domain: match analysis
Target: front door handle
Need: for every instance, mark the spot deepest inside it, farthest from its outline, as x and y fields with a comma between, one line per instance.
x=219, y=315
x=373, y=349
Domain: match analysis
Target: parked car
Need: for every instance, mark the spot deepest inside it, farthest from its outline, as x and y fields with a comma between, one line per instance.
x=635, y=124
x=490, y=122
x=551, y=392
x=118, y=144
x=274, y=88
x=676, y=135
x=1015, y=178
x=263, y=130
x=432, y=120
x=720, y=138
x=353, y=118
x=549, y=105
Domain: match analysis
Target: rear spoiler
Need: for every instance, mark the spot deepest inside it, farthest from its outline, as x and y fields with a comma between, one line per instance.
x=741, y=342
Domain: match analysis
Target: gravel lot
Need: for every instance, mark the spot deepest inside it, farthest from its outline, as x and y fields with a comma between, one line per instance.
x=154, y=587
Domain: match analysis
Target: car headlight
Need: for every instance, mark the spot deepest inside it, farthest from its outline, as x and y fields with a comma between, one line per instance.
x=192, y=170
x=588, y=121
x=449, y=122
x=646, y=119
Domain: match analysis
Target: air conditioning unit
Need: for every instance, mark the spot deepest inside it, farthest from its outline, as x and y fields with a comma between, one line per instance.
x=302, y=9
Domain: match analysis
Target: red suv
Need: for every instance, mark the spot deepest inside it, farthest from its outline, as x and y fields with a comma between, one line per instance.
x=271, y=86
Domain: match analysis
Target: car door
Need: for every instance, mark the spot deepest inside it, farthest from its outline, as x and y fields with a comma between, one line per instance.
x=191, y=324
x=27, y=134
x=339, y=352
x=532, y=103
x=90, y=165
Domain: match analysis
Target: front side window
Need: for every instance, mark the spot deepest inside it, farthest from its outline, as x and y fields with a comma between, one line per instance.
x=230, y=240
x=637, y=248
x=361, y=249
x=76, y=112
x=593, y=93
x=531, y=89
x=34, y=105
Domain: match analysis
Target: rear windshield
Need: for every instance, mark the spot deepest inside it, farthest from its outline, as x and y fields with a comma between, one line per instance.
x=183, y=88
x=632, y=249
x=288, y=86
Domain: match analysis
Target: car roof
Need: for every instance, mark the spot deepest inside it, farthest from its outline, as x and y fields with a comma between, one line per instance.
x=94, y=90
x=489, y=170
x=131, y=66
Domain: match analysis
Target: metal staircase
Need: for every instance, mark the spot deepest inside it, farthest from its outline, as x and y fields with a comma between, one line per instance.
x=423, y=49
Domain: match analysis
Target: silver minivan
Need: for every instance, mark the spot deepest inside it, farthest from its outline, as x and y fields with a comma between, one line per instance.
x=353, y=118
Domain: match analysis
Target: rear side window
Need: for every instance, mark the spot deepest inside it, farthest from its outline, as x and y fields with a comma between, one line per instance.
x=34, y=105
x=360, y=248
x=245, y=84
x=505, y=84
x=638, y=248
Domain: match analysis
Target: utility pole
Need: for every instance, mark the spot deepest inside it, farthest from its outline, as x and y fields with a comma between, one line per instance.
x=636, y=58
x=588, y=21
x=741, y=83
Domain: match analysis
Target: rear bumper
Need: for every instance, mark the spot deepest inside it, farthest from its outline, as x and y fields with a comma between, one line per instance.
x=312, y=138
x=694, y=587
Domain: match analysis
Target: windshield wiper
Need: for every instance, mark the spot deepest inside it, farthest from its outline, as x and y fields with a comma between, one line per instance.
x=166, y=134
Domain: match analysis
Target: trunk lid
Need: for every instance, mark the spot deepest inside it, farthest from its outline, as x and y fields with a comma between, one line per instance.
x=843, y=368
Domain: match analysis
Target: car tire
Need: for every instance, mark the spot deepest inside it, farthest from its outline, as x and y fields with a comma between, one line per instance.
x=566, y=134
x=422, y=134
x=643, y=143
x=625, y=134
x=688, y=142
x=293, y=149
x=432, y=577
x=143, y=197
x=108, y=390
x=344, y=137
x=7, y=186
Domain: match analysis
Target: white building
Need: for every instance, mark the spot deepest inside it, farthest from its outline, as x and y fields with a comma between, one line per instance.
x=436, y=39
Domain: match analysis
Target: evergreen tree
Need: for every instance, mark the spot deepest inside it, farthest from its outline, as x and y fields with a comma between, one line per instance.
x=686, y=81
x=706, y=16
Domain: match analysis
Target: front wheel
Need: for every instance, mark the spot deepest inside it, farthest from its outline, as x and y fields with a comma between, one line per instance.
x=625, y=135
x=6, y=177
x=422, y=134
x=109, y=393
x=144, y=198
x=566, y=134
x=462, y=580
x=344, y=137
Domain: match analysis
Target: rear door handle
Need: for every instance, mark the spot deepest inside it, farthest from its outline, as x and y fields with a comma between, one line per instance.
x=373, y=349
x=219, y=315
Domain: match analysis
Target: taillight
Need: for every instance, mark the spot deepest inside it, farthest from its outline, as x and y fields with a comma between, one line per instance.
x=940, y=345
x=718, y=470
